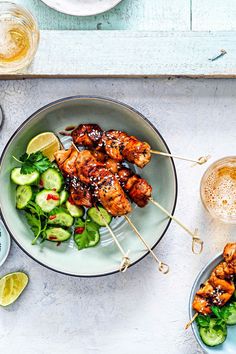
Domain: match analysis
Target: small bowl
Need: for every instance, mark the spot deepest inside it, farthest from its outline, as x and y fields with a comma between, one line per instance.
x=229, y=346
x=5, y=243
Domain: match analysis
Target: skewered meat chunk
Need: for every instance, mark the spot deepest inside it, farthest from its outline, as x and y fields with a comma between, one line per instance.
x=219, y=288
x=87, y=135
x=80, y=194
x=137, y=188
x=109, y=192
x=62, y=155
x=66, y=161
x=119, y=145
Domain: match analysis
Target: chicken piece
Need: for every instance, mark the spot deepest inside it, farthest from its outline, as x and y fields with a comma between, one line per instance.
x=224, y=271
x=137, y=152
x=113, y=142
x=137, y=188
x=229, y=255
x=109, y=192
x=201, y=305
x=87, y=135
x=80, y=194
x=222, y=284
x=62, y=155
x=86, y=163
x=206, y=290
x=69, y=165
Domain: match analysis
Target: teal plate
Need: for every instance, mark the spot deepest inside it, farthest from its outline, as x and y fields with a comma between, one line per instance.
x=5, y=243
x=229, y=346
x=151, y=222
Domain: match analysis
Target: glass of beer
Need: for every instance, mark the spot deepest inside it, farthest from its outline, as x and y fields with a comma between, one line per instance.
x=19, y=37
x=218, y=189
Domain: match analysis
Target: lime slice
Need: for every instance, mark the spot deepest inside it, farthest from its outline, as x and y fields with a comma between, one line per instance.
x=11, y=286
x=46, y=142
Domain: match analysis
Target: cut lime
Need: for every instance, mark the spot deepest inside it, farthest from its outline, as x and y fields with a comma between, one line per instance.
x=11, y=286
x=46, y=142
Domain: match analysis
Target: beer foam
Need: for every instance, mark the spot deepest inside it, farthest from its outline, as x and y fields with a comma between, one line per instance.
x=219, y=192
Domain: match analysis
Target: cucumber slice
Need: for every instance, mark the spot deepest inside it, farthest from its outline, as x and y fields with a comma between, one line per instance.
x=23, y=195
x=52, y=179
x=74, y=210
x=47, y=200
x=57, y=234
x=212, y=336
x=61, y=218
x=63, y=197
x=19, y=178
x=95, y=215
x=231, y=320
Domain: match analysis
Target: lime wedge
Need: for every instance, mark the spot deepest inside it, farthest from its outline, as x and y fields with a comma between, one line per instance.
x=46, y=142
x=11, y=286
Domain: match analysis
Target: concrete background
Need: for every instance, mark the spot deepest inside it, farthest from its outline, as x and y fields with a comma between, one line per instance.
x=141, y=310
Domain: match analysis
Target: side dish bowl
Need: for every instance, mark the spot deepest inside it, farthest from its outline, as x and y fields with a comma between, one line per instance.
x=151, y=222
x=229, y=346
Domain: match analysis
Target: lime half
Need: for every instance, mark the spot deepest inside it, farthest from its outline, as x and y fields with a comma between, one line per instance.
x=11, y=286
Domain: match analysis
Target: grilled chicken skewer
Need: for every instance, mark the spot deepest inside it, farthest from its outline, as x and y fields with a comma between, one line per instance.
x=84, y=160
x=83, y=166
x=119, y=145
x=219, y=288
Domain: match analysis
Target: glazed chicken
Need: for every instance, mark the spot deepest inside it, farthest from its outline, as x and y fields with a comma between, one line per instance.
x=104, y=184
x=87, y=135
x=219, y=288
x=136, y=187
x=117, y=144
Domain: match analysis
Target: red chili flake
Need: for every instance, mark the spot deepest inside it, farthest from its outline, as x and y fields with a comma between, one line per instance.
x=79, y=230
x=41, y=183
x=51, y=237
x=71, y=200
x=51, y=217
x=52, y=196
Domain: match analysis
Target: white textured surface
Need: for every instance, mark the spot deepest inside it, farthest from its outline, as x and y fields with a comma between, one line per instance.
x=141, y=310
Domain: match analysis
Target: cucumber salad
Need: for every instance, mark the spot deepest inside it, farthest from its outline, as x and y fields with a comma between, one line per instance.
x=42, y=196
x=213, y=328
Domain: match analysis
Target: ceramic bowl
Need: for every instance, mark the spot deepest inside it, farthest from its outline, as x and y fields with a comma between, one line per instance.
x=150, y=221
x=229, y=346
x=82, y=7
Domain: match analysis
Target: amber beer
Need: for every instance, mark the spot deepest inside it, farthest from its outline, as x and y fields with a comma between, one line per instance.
x=218, y=189
x=19, y=37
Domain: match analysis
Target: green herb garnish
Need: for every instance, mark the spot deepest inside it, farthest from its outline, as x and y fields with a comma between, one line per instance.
x=36, y=219
x=34, y=162
x=85, y=232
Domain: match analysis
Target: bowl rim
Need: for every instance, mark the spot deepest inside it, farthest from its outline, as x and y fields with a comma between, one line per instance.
x=78, y=14
x=99, y=98
x=7, y=239
x=218, y=256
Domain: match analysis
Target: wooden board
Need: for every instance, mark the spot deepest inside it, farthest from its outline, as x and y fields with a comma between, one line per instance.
x=213, y=15
x=135, y=54
x=148, y=15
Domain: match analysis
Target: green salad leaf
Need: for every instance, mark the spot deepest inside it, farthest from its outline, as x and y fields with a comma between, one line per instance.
x=34, y=162
x=203, y=321
x=85, y=232
x=36, y=219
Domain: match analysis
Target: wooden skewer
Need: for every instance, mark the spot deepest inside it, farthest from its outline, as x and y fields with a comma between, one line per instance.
x=125, y=260
x=162, y=267
x=200, y=161
x=192, y=320
x=197, y=243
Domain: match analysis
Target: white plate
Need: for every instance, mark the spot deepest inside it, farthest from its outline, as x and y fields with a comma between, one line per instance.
x=82, y=7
